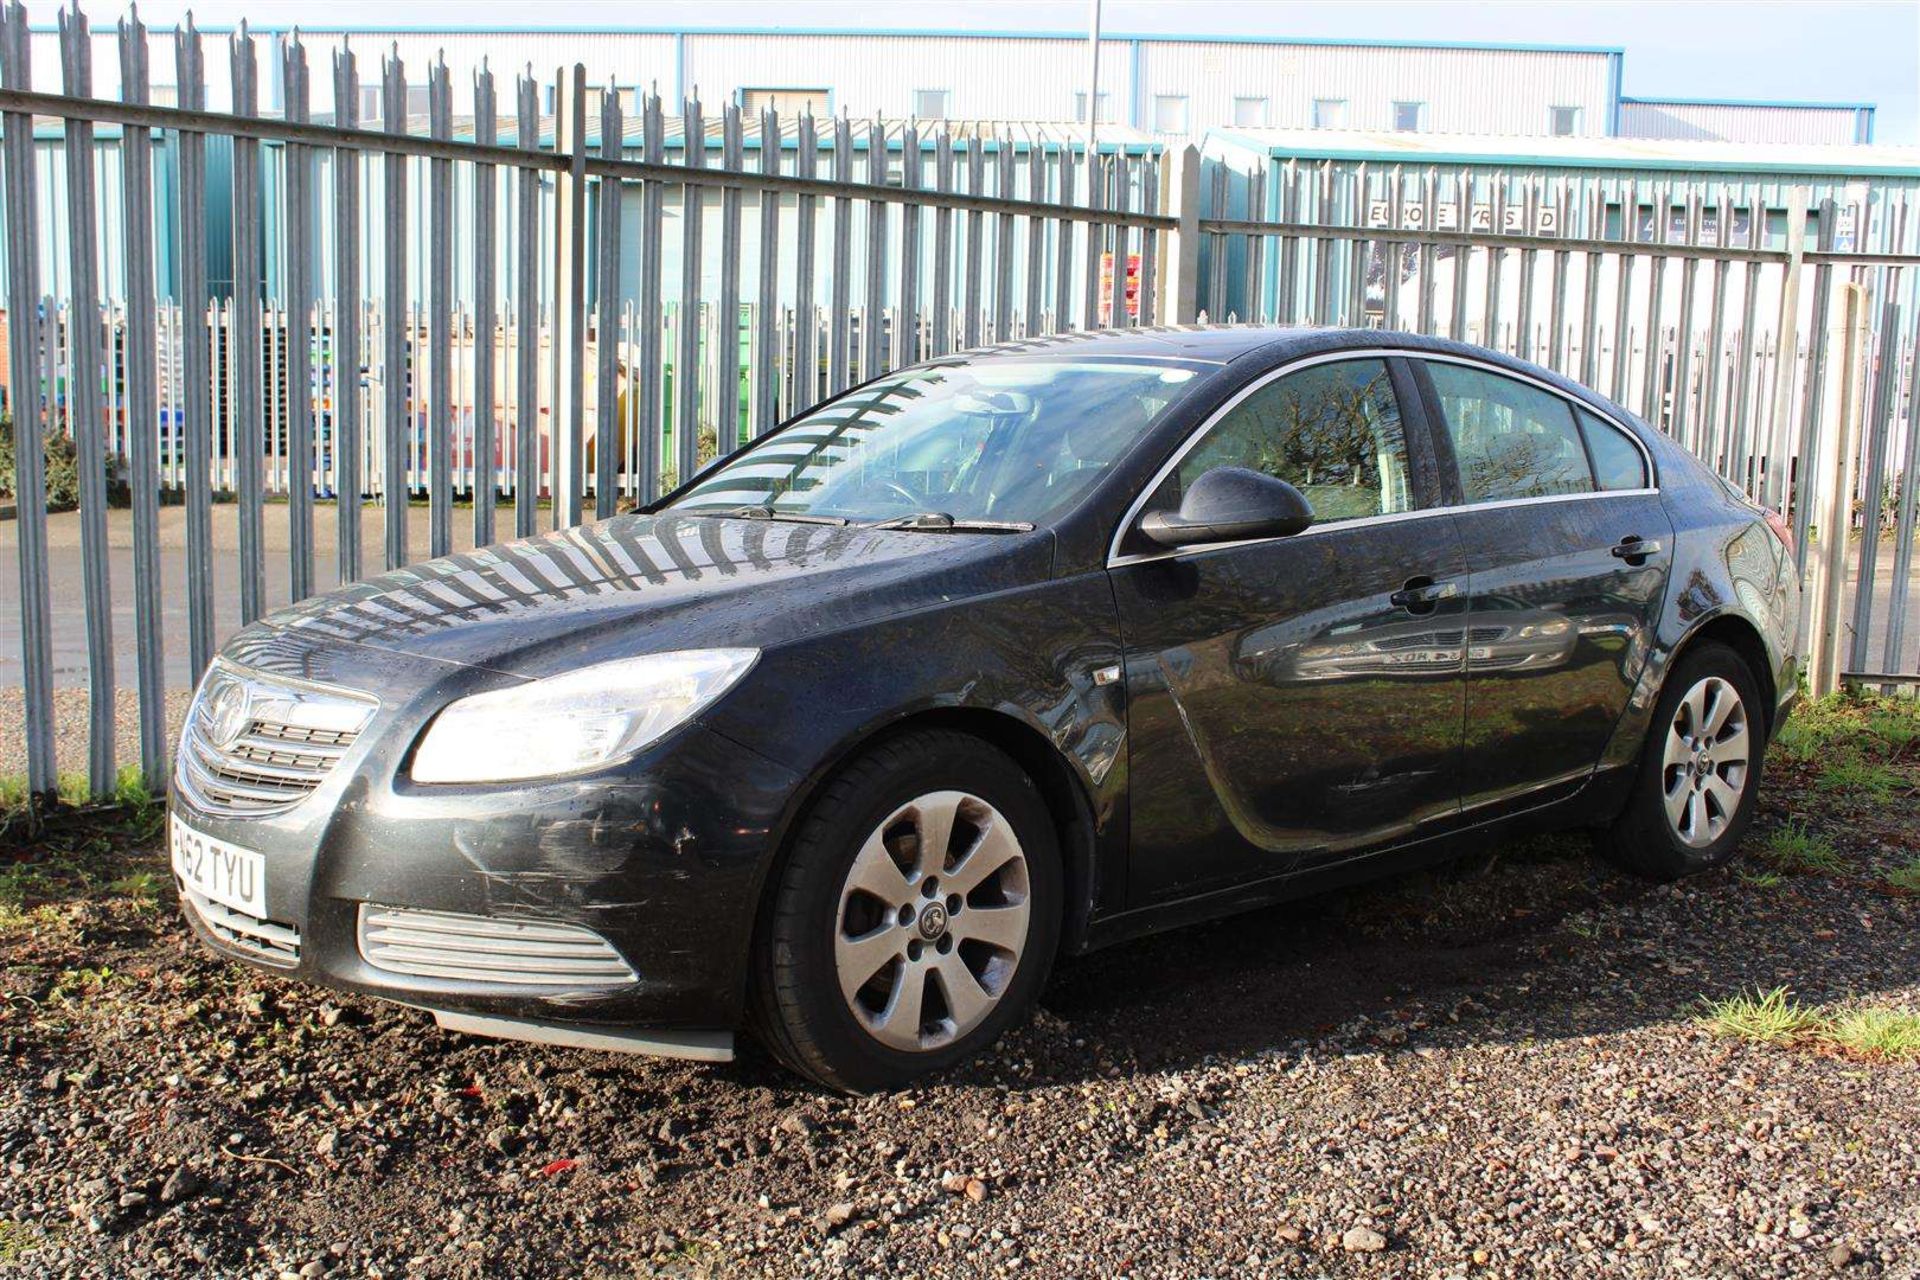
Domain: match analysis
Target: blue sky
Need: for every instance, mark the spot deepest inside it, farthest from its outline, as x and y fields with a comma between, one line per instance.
x=1842, y=50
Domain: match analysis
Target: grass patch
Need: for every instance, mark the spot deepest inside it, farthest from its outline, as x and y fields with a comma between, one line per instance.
x=53, y=855
x=1764, y=1017
x=1855, y=775
x=1896, y=726
x=1877, y=1033
x=1794, y=850
x=17, y=1240
x=1776, y=1018
x=1763, y=879
x=1874, y=726
x=1905, y=879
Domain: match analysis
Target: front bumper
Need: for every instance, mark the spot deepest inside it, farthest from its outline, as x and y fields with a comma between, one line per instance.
x=661, y=857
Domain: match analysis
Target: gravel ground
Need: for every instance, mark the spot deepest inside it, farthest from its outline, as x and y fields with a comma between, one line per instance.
x=1496, y=1068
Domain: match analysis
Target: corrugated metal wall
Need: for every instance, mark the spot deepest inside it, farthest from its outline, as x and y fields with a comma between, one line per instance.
x=1725, y=122
x=1511, y=91
x=1464, y=90
x=869, y=75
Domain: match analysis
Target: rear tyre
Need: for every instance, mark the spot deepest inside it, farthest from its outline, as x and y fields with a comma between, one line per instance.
x=1699, y=772
x=915, y=918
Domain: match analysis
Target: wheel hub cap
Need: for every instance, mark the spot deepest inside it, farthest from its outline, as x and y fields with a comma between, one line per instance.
x=933, y=921
x=1705, y=762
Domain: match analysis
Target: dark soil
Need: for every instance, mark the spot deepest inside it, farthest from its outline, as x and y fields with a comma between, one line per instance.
x=1496, y=1068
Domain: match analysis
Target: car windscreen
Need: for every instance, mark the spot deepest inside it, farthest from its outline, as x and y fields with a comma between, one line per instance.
x=1007, y=440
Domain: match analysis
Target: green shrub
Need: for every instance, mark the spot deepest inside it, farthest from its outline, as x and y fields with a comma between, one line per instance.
x=62, y=469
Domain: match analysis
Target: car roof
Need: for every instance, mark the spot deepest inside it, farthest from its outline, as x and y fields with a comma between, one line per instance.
x=1222, y=343
x=1225, y=344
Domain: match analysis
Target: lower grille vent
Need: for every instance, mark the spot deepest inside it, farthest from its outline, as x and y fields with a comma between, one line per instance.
x=441, y=944
x=266, y=940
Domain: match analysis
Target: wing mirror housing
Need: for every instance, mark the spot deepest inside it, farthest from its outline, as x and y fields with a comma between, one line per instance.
x=1230, y=504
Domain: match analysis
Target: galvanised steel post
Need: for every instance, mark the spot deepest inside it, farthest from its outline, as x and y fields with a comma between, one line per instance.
x=25, y=335
x=84, y=408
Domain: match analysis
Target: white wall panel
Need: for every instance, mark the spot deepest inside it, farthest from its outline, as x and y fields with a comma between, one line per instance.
x=1734, y=122
x=985, y=78
x=1465, y=90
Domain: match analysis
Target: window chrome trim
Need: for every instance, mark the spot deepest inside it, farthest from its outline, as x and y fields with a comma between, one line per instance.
x=1116, y=560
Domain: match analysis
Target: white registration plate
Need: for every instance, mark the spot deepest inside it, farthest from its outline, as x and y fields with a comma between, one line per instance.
x=1424, y=657
x=231, y=876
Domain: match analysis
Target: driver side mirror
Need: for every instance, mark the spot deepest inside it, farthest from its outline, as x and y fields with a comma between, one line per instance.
x=1230, y=504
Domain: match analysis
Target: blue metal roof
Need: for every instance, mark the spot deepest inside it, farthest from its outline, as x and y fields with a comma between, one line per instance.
x=1617, y=154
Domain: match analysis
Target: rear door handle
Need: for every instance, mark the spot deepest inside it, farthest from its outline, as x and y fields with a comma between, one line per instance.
x=1420, y=595
x=1636, y=548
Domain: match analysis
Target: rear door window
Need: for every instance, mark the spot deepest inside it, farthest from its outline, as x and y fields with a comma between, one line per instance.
x=1510, y=439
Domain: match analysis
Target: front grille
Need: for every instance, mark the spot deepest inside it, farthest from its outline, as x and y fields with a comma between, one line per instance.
x=254, y=745
x=442, y=944
x=266, y=940
x=1424, y=640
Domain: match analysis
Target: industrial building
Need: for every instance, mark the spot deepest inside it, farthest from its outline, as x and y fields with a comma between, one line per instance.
x=1175, y=87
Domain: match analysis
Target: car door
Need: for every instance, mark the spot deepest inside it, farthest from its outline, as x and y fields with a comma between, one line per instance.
x=1294, y=697
x=1567, y=549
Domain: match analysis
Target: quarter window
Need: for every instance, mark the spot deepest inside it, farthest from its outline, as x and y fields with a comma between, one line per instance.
x=1331, y=430
x=1617, y=461
x=1510, y=439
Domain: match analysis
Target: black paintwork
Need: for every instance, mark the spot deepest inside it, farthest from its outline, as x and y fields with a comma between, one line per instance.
x=1242, y=758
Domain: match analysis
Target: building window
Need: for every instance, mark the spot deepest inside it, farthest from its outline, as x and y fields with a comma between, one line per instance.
x=1566, y=122
x=1080, y=107
x=1250, y=113
x=1329, y=113
x=788, y=102
x=1409, y=117
x=930, y=104
x=1169, y=113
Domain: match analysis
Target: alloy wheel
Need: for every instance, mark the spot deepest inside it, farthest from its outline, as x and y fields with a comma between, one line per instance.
x=1706, y=762
x=933, y=920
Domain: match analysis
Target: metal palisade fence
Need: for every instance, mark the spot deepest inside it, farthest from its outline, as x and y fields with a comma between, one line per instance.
x=1772, y=326
x=559, y=296
x=550, y=301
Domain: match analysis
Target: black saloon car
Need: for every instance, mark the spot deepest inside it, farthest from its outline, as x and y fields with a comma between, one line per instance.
x=1022, y=651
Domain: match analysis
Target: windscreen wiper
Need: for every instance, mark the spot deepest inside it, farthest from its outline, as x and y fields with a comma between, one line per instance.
x=944, y=522
x=790, y=517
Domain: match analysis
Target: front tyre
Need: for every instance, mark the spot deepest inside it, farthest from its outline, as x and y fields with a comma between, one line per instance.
x=1699, y=771
x=915, y=917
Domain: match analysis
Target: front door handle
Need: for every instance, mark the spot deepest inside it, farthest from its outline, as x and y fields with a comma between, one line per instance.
x=1420, y=595
x=1635, y=549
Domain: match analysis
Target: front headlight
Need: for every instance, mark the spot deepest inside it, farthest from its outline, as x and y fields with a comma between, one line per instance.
x=577, y=721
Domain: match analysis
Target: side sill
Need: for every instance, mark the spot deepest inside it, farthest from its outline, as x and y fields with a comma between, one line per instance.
x=695, y=1046
x=1597, y=801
